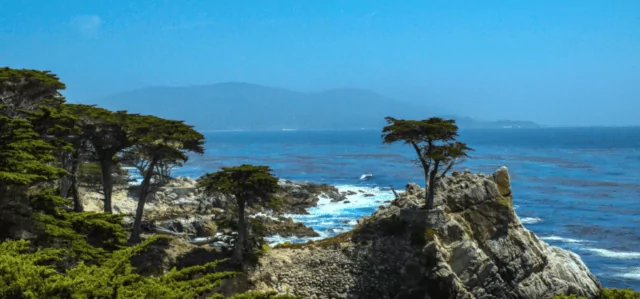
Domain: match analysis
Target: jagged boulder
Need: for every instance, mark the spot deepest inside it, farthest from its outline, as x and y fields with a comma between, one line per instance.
x=471, y=245
x=297, y=197
x=503, y=181
x=285, y=227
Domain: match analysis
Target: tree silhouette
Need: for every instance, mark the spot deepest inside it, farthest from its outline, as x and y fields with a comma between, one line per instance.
x=434, y=141
x=160, y=141
x=248, y=184
x=107, y=133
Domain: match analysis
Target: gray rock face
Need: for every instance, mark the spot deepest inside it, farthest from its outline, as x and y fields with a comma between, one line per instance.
x=471, y=245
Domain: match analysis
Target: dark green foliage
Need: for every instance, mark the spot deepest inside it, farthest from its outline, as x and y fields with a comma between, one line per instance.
x=248, y=184
x=87, y=236
x=29, y=273
x=619, y=294
x=433, y=140
x=24, y=158
x=253, y=183
x=22, y=91
x=608, y=294
x=419, y=131
x=25, y=273
x=28, y=165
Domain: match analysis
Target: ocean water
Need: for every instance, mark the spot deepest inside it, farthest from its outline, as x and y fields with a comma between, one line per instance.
x=576, y=188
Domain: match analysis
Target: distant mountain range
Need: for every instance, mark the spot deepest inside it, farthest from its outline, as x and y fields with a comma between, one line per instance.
x=242, y=106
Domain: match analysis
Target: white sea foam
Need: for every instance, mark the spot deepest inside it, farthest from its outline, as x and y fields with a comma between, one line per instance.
x=633, y=273
x=268, y=215
x=358, y=200
x=330, y=218
x=530, y=220
x=623, y=255
x=563, y=240
x=277, y=239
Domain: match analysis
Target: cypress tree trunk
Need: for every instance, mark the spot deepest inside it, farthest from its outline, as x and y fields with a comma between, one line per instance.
x=425, y=168
x=75, y=162
x=65, y=182
x=107, y=183
x=144, y=190
x=242, y=231
x=426, y=187
x=432, y=185
x=64, y=186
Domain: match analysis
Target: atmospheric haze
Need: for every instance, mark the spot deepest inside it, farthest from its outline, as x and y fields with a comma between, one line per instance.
x=556, y=63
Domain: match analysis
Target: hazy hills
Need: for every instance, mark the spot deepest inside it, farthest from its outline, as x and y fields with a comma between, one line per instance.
x=242, y=106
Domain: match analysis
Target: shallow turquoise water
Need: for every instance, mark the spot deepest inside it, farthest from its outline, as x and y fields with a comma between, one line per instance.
x=576, y=188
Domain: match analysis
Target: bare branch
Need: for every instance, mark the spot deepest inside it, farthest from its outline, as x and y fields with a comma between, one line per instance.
x=394, y=192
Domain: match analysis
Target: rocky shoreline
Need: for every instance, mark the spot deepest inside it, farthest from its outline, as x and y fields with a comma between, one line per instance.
x=179, y=208
x=471, y=245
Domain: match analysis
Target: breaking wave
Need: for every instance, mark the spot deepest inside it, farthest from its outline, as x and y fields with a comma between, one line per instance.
x=332, y=218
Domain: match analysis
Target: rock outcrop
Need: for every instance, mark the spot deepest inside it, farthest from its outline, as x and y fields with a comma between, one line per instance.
x=285, y=227
x=471, y=245
x=298, y=197
x=180, y=208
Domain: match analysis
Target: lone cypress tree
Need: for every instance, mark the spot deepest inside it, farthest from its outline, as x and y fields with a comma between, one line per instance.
x=248, y=184
x=160, y=141
x=433, y=140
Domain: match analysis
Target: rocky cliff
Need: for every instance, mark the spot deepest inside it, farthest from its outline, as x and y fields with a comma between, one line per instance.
x=471, y=245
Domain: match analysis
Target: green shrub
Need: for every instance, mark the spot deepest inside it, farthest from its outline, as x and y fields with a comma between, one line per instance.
x=29, y=273
x=87, y=236
x=608, y=294
x=619, y=294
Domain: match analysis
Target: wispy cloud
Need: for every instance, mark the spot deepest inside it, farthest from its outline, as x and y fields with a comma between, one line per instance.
x=88, y=25
x=373, y=14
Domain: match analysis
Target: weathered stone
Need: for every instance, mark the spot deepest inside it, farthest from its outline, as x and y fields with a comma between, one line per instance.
x=286, y=227
x=471, y=245
x=207, y=228
x=413, y=189
x=503, y=181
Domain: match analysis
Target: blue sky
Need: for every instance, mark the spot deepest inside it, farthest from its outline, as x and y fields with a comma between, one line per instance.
x=554, y=62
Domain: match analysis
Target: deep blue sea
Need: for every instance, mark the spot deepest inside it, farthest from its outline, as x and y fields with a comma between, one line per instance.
x=576, y=188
